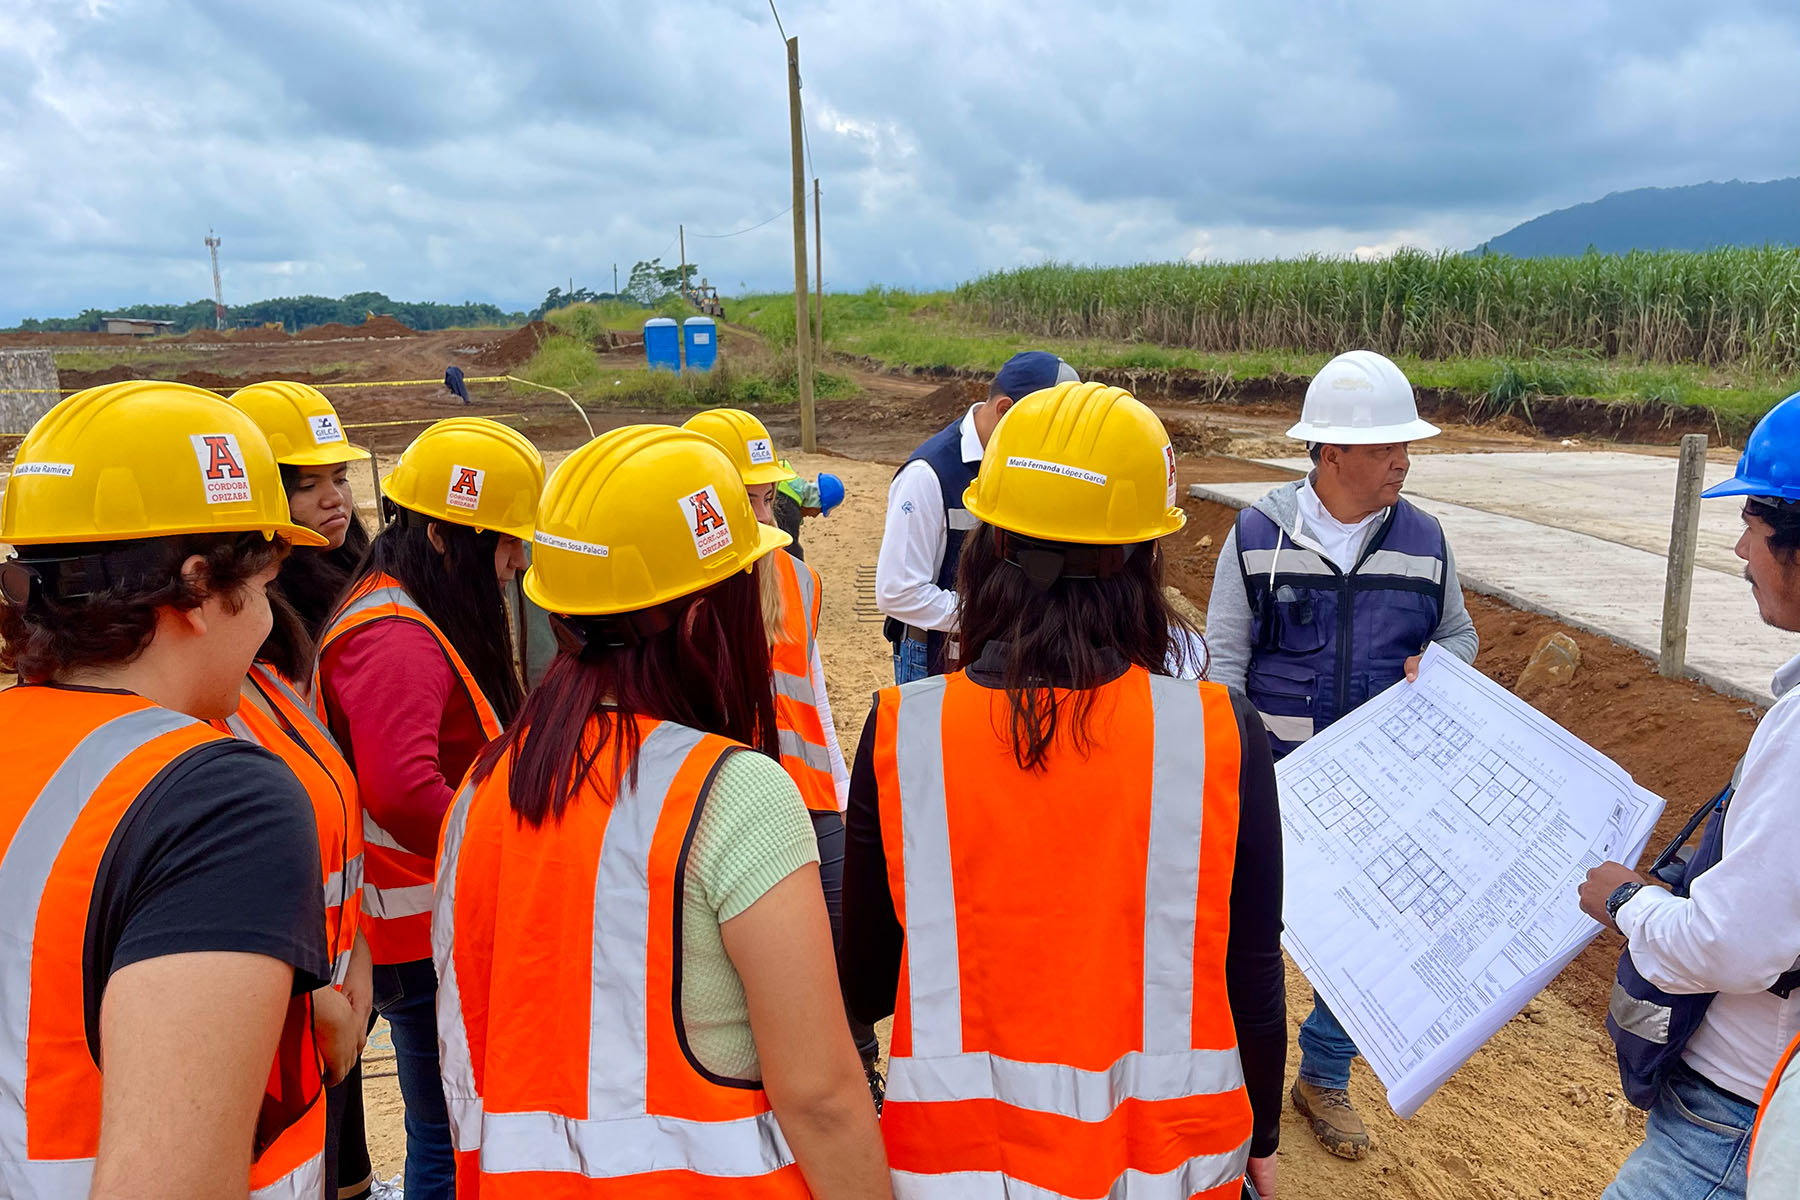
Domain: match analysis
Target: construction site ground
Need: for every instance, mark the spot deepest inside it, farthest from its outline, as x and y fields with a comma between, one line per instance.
x=1535, y=1113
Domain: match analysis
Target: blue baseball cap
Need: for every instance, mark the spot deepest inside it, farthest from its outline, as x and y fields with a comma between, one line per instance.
x=1031, y=371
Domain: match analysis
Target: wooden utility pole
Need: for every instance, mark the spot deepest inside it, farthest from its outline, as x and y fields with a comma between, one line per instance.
x=818, y=279
x=615, y=281
x=1684, y=532
x=681, y=233
x=809, y=441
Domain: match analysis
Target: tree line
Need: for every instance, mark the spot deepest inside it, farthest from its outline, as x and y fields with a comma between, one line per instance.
x=294, y=312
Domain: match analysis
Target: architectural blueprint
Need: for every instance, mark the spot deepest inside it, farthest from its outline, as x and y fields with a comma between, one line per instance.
x=1434, y=840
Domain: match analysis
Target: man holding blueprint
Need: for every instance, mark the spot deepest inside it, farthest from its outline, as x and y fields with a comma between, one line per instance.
x=1327, y=591
x=1708, y=995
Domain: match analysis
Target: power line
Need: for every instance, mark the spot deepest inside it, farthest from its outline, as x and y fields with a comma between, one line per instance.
x=778, y=28
x=714, y=236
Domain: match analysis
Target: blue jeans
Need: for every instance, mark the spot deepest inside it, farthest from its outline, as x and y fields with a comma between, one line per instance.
x=911, y=661
x=1325, y=1049
x=1696, y=1145
x=406, y=994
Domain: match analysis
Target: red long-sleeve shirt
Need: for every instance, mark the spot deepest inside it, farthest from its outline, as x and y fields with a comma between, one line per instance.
x=398, y=709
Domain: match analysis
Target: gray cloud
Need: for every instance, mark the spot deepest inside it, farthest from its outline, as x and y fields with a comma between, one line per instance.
x=464, y=150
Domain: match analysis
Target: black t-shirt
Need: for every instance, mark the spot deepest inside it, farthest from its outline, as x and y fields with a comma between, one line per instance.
x=869, y=961
x=219, y=853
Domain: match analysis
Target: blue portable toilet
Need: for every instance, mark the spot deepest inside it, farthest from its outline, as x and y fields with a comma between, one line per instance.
x=701, y=336
x=662, y=344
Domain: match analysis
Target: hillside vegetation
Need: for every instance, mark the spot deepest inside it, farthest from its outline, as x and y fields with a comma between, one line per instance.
x=1697, y=217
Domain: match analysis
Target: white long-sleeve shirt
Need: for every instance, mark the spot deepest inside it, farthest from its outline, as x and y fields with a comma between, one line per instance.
x=913, y=542
x=1739, y=927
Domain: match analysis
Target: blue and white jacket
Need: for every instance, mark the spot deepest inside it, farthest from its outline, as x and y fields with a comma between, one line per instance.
x=1308, y=642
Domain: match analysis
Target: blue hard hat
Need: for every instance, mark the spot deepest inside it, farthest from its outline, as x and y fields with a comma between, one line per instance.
x=1770, y=465
x=831, y=492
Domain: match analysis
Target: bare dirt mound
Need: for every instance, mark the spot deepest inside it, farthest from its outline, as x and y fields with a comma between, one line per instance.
x=516, y=347
x=374, y=327
x=386, y=327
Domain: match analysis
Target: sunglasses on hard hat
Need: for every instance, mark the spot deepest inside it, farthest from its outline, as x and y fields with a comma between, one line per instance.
x=74, y=576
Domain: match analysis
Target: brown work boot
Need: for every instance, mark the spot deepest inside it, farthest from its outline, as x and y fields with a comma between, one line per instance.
x=1333, y=1119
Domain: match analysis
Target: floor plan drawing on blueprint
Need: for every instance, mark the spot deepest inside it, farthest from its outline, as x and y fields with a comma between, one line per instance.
x=1434, y=840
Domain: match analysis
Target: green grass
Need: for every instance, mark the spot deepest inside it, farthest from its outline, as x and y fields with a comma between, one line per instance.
x=148, y=357
x=747, y=378
x=934, y=330
x=589, y=321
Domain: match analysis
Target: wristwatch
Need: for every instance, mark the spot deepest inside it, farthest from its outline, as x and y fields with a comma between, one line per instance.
x=1620, y=895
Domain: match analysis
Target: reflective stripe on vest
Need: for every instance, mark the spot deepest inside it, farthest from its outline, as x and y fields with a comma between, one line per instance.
x=88, y=759
x=396, y=889
x=320, y=767
x=934, y=1075
x=1778, y=1121
x=638, y=1113
x=800, y=729
x=1302, y=676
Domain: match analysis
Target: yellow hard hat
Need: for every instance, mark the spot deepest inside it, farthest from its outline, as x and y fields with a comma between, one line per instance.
x=746, y=440
x=470, y=471
x=144, y=459
x=640, y=516
x=1082, y=463
x=302, y=427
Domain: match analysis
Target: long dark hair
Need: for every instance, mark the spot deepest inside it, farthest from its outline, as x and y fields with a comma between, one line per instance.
x=305, y=592
x=457, y=590
x=1057, y=638
x=702, y=663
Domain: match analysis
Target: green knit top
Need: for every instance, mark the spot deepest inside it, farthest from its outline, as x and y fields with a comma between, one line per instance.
x=754, y=832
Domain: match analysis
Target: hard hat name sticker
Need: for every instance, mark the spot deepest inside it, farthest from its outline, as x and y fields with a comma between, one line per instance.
x=705, y=517
x=1169, y=458
x=465, y=487
x=1055, y=468
x=762, y=452
x=325, y=429
x=221, y=468
x=63, y=470
x=592, y=549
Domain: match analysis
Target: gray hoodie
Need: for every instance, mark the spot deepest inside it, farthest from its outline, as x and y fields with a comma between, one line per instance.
x=1228, y=621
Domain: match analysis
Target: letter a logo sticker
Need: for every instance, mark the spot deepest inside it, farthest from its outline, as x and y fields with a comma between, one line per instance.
x=465, y=487
x=222, y=471
x=706, y=522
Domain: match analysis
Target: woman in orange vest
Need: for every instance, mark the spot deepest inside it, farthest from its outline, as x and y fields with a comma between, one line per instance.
x=792, y=597
x=637, y=990
x=416, y=674
x=1064, y=873
x=314, y=455
x=160, y=907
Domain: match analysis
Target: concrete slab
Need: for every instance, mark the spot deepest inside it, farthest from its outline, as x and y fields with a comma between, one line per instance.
x=1597, y=584
x=1624, y=498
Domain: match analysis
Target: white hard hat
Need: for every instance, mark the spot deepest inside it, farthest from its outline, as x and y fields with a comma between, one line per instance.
x=1360, y=399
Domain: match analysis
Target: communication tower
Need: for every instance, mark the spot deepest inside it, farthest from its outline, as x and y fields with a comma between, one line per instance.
x=212, y=244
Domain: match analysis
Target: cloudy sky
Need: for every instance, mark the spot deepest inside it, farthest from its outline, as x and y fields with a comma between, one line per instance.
x=452, y=150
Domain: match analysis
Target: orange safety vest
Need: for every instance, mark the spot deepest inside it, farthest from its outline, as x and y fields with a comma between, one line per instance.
x=396, y=899
x=1786, y=1122
x=1062, y=1024
x=76, y=762
x=799, y=727
x=558, y=960
x=300, y=739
